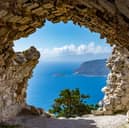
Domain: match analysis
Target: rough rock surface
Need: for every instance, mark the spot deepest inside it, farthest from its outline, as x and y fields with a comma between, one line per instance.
x=13, y=82
x=20, y=18
x=116, y=97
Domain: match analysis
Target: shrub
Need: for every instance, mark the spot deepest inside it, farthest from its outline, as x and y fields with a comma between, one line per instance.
x=71, y=103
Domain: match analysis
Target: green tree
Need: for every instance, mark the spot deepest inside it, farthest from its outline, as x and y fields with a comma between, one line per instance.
x=71, y=103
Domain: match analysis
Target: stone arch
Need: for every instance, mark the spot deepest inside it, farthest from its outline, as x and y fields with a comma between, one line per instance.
x=20, y=18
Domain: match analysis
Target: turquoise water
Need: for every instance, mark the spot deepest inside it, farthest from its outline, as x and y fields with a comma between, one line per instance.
x=50, y=78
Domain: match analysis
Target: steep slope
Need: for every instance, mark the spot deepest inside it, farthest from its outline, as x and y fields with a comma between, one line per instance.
x=94, y=68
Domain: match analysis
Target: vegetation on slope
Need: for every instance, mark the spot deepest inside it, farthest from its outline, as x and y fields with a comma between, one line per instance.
x=93, y=68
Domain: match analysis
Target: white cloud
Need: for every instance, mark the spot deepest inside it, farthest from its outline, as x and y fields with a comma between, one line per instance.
x=71, y=49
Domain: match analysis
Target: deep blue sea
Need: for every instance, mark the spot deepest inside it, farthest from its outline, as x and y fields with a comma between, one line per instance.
x=50, y=78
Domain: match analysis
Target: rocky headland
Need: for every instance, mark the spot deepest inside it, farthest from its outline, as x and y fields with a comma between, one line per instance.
x=93, y=68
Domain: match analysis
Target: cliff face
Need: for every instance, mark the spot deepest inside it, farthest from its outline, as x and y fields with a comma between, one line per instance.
x=19, y=18
x=93, y=68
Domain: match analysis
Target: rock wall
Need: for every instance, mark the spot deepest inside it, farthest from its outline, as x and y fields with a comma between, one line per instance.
x=117, y=90
x=13, y=82
x=20, y=18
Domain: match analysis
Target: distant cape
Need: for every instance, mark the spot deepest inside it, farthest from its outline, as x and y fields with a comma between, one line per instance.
x=93, y=68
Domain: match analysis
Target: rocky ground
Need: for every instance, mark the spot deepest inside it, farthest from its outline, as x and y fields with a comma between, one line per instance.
x=87, y=121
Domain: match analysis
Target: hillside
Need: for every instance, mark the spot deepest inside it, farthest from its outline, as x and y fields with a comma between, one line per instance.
x=93, y=68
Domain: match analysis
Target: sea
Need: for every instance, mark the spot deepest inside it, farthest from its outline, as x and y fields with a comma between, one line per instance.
x=49, y=78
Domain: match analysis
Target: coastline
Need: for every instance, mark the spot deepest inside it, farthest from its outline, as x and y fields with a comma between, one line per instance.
x=86, y=75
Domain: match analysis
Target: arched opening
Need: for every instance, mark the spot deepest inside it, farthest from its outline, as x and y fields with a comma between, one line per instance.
x=64, y=48
x=21, y=18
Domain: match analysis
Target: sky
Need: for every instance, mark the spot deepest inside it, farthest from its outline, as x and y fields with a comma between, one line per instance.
x=65, y=42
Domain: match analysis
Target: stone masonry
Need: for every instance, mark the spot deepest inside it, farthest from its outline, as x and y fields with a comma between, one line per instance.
x=20, y=18
x=13, y=82
x=116, y=97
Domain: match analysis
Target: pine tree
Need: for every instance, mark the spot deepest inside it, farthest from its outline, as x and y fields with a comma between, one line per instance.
x=71, y=103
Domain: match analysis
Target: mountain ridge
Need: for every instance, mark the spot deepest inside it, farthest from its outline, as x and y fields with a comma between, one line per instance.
x=93, y=68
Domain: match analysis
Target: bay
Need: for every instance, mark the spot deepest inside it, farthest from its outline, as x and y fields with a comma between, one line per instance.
x=49, y=78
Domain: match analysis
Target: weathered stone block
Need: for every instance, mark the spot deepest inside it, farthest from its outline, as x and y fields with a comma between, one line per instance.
x=30, y=6
x=3, y=13
x=22, y=28
x=24, y=20
x=123, y=7
x=125, y=100
x=3, y=31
